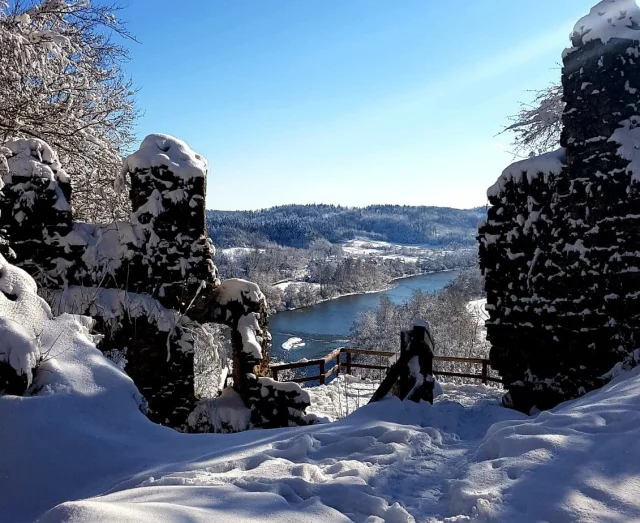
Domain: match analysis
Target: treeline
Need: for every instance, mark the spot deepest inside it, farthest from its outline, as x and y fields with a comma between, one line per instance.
x=323, y=271
x=299, y=225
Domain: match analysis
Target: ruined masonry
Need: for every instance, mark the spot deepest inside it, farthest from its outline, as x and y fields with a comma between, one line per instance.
x=150, y=282
x=560, y=250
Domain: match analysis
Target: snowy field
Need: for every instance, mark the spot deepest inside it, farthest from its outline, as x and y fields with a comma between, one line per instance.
x=80, y=450
x=390, y=251
x=283, y=285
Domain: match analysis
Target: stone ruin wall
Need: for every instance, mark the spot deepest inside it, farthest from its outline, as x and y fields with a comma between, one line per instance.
x=148, y=282
x=560, y=249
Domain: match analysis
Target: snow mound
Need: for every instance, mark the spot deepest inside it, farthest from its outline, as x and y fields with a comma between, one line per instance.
x=32, y=157
x=606, y=20
x=226, y=413
x=582, y=458
x=293, y=343
x=546, y=164
x=158, y=150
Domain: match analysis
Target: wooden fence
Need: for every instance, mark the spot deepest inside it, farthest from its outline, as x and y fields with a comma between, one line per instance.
x=326, y=372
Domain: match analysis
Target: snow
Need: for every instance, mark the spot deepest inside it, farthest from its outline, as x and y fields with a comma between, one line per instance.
x=238, y=290
x=251, y=335
x=158, y=150
x=19, y=348
x=581, y=458
x=226, y=413
x=464, y=457
x=606, y=20
x=232, y=252
x=106, y=246
x=293, y=343
x=347, y=393
x=284, y=386
x=478, y=310
x=112, y=305
x=341, y=396
x=29, y=157
x=81, y=450
x=359, y=246
x=297, y=284
x=628, y=136
x=546, y=164
x=388, y=251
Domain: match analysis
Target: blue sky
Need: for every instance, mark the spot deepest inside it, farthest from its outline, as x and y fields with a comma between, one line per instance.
x=351, y=102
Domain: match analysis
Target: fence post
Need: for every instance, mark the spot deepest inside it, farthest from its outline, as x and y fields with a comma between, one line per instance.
x=348, y=363
x=485, y=372
x=339, y=363
x=275, y=374
x=322, y=373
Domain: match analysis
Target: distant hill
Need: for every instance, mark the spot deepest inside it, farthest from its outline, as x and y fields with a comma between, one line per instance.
x=298, y=225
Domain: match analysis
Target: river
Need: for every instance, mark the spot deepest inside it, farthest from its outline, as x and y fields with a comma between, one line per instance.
x=327, y=325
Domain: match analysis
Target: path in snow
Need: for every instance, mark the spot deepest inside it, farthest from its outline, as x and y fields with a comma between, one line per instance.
x=361, y=467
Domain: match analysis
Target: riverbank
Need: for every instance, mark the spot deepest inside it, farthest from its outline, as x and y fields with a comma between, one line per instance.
x=388, y=286
x=327, y=325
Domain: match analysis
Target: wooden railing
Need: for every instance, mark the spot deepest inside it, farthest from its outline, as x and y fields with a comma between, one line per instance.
x=484, y=376
x=336, y=369
x=349, y=364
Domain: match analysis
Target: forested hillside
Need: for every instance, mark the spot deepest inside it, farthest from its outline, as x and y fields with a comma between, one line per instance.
x=298, y=225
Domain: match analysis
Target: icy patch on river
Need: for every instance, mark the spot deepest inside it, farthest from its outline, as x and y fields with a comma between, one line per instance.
x=293, y=343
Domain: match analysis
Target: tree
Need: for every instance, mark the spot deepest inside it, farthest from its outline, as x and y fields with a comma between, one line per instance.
x=61, y=80
x=538, y=125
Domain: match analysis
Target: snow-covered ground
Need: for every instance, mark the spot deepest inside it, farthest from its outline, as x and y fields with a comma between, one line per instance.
x=80, y=450
x=283, y=285
x=390, y=251
x=341, y=396
x=235, y=251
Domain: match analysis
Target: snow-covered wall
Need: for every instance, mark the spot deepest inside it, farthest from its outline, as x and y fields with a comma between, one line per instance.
x=561, y=247
x=149, y=282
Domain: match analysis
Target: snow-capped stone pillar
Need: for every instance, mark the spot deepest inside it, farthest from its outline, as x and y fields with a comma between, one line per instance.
x=596, y=208
x=242, y=306
x=35, y=209
x=598, y=203
x=168, y=183
x=579, y=312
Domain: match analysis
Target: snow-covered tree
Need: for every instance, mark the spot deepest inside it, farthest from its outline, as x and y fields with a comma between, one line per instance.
x=61, y=80
x=538, y=124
